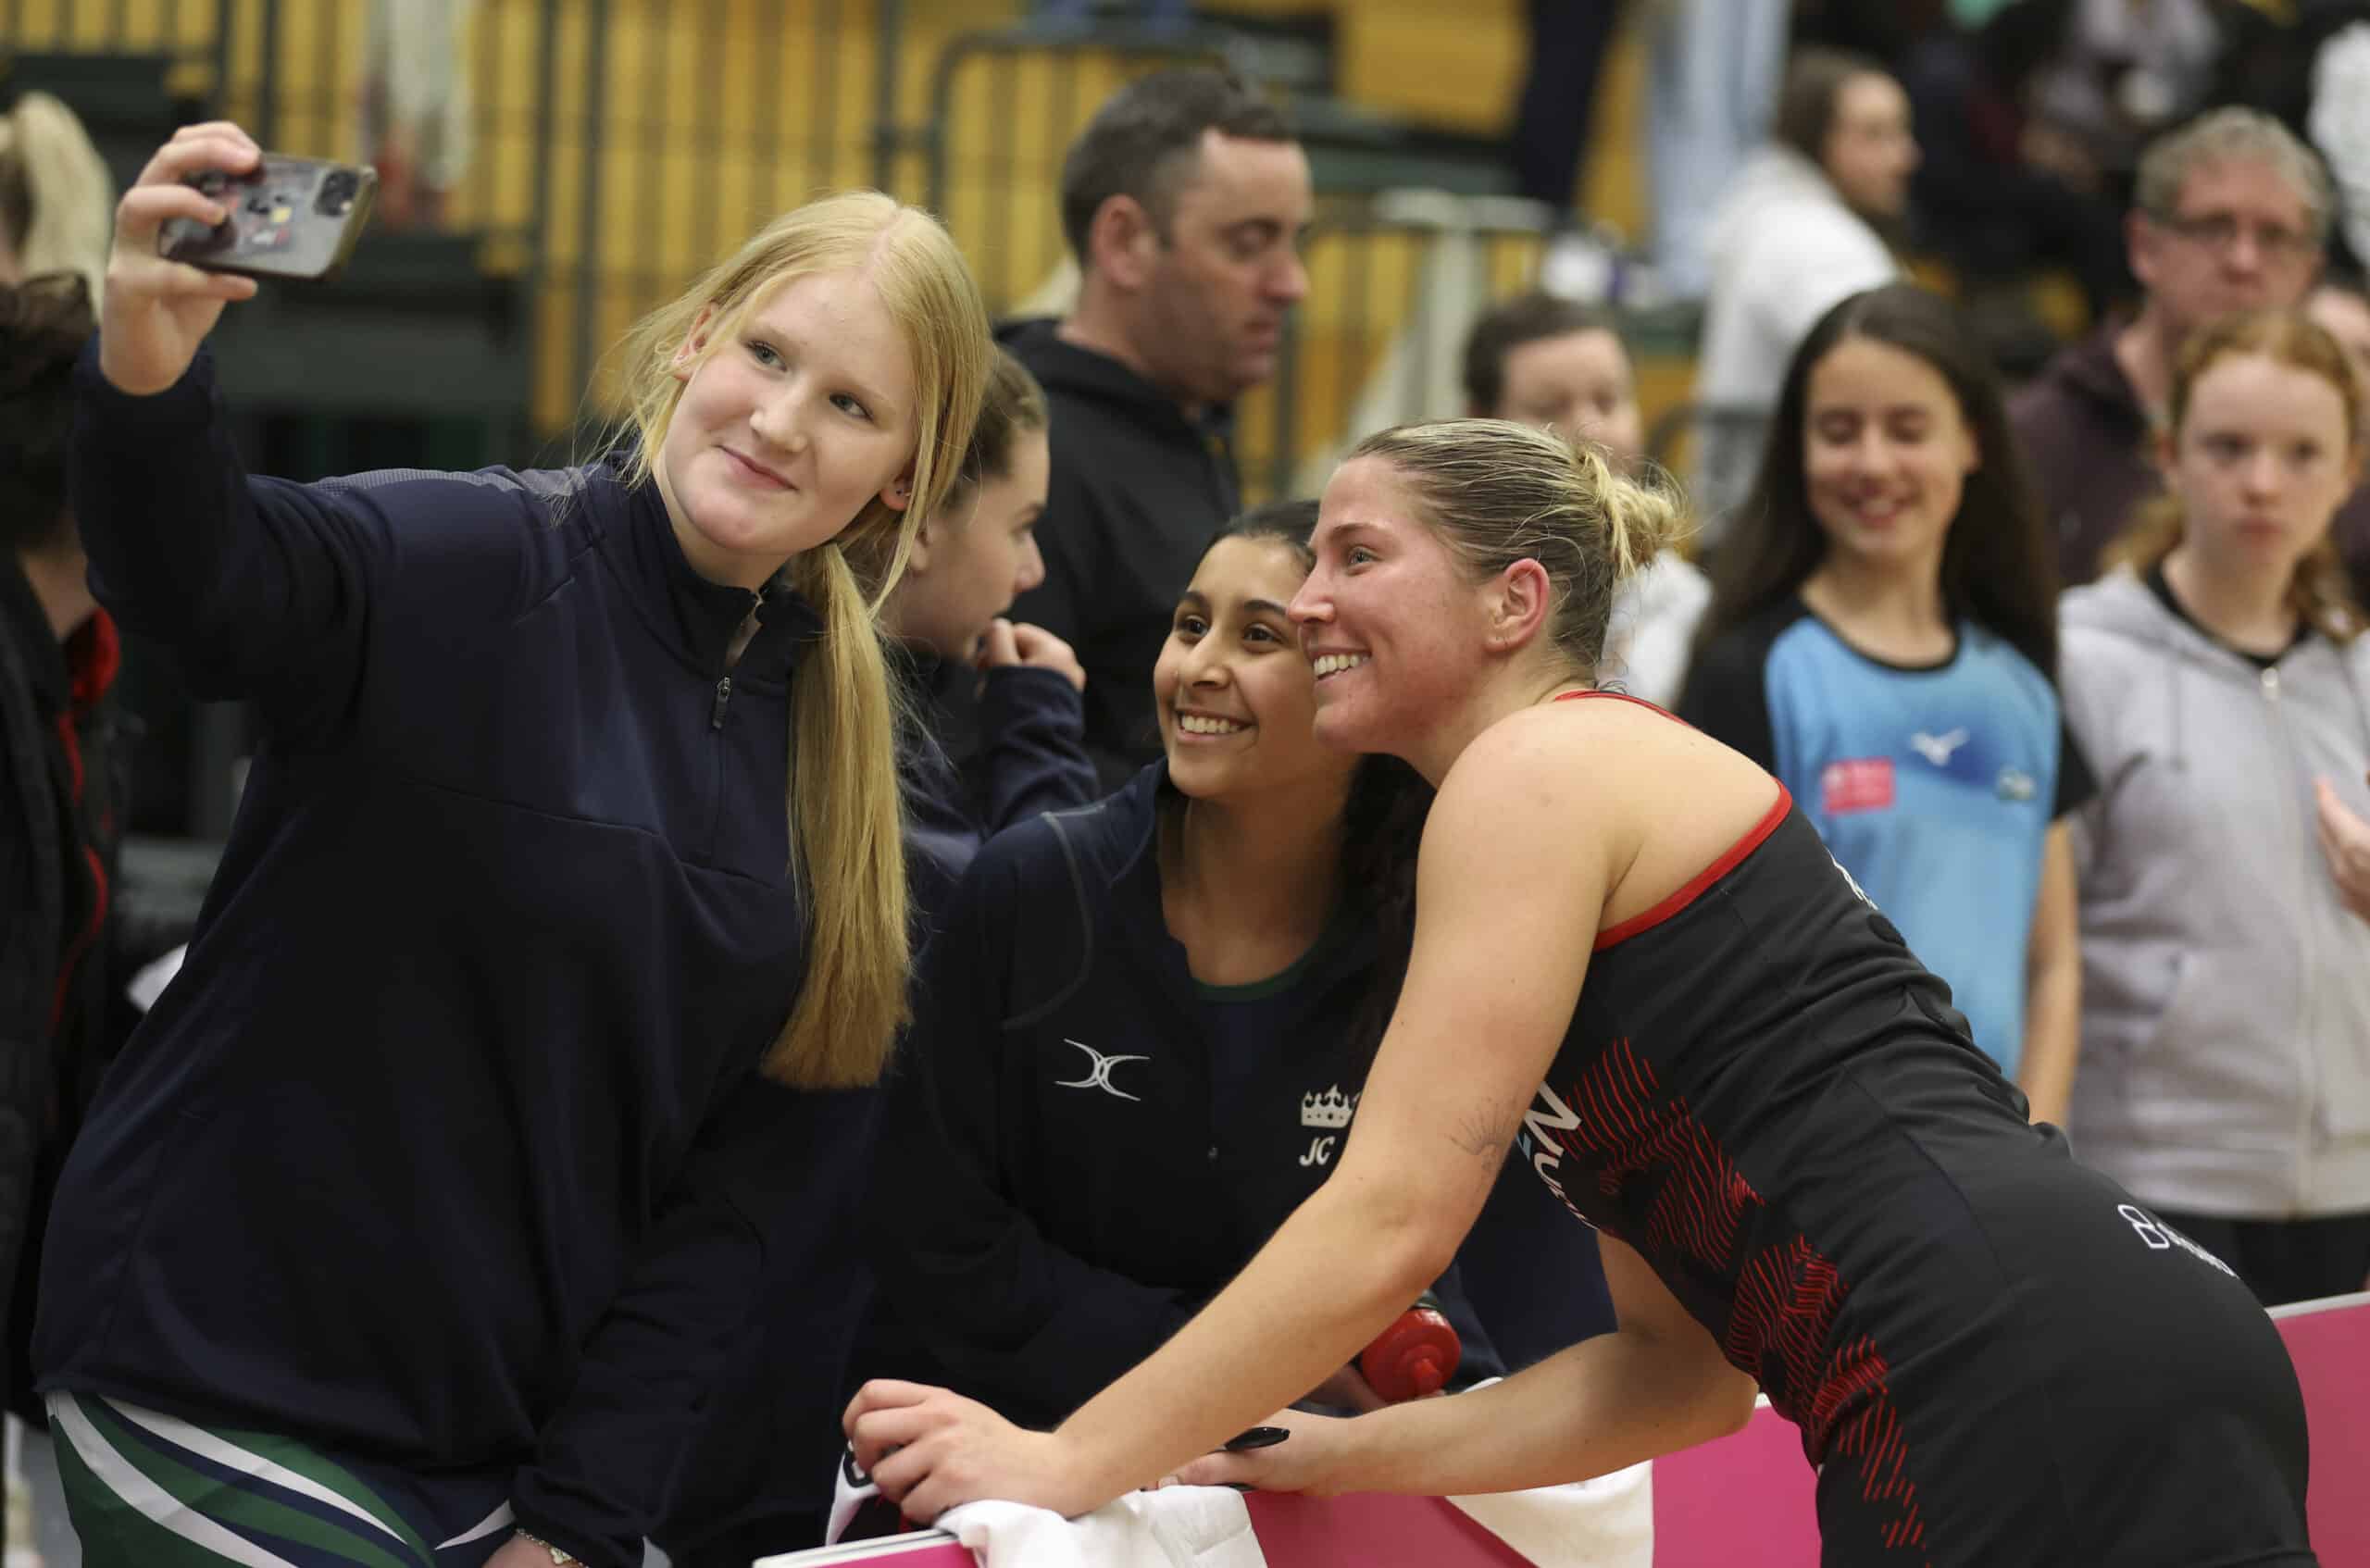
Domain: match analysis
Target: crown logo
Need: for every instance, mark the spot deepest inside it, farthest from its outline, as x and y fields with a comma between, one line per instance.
x=1331, y=1109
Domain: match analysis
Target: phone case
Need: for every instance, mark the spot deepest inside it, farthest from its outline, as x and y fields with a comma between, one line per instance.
x=290, y=218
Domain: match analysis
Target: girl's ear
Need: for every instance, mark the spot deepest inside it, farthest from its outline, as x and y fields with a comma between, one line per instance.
x=694, y=343
x=898, y=493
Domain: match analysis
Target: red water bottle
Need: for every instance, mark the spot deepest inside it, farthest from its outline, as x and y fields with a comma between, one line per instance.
x=1415, y=1356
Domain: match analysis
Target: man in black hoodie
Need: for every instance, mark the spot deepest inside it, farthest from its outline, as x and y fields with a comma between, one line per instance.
x=1184, y=200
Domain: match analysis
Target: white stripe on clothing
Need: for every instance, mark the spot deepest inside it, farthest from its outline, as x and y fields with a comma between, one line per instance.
x=121, y=1476
x=232, y=1457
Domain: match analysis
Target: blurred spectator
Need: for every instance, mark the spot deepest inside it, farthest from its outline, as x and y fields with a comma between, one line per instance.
x=2001, y=192
x=1884, y=30
x=1183, y=200
x=2307, y=63
x=1716, y=65
x=1806, y=222
x=1568, y=40
x=1548, y=361
x=2339, y=306
x=2228, y=215
x=56, y=200
x=1162, y=16
x=2130, y=69
x=2216, y=678
x=1883, y=638
x=947, y=619
x=65, y=952
x=416, y=107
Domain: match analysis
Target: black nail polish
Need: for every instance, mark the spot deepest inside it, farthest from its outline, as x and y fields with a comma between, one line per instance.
x=1258, y=1437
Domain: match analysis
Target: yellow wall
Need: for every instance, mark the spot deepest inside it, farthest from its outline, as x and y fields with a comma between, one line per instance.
x=713, y=115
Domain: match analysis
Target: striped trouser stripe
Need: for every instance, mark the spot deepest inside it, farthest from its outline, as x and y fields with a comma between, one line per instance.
x=147, y=1486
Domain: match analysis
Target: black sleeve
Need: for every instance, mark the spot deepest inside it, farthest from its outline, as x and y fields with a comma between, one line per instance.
x=1012, y=1319
x=1032, y=746
x=777, y=1173
x=2076, y=785
x=28, y=973
x=268, y=590
x=1727, y=698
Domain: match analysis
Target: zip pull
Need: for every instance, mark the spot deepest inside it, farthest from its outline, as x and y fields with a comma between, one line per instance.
x=723, y=695
x=2271, y=684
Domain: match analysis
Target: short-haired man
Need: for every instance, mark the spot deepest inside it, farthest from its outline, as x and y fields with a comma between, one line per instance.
x=2229, y=213
x=1184, y=200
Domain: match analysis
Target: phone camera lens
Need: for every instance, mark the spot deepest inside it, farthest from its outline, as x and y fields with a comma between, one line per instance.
x=337, y=194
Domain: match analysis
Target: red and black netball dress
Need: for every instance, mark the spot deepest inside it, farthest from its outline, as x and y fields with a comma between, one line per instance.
x=1994, y=1355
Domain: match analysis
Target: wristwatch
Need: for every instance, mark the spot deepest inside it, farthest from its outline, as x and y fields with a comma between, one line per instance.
x=560, y=1557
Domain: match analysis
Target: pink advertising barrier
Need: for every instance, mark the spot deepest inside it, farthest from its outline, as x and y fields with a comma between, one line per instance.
x=1746, y=1498
x=2329, y=1342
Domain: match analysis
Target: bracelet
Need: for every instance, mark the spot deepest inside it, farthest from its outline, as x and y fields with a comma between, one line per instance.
x=560, y=1557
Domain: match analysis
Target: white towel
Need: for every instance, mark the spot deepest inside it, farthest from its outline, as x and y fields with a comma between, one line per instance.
x=1175, y=1528
x=1606, y=1523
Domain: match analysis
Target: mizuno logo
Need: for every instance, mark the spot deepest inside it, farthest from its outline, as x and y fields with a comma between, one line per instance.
x=1098, y=1073
x=1938, y=749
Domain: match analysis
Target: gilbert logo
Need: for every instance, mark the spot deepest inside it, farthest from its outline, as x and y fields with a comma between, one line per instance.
x=1332, y=1110
x=1099, y=1072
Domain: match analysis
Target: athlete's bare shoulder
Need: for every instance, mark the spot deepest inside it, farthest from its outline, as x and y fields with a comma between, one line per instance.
x=1660, y=799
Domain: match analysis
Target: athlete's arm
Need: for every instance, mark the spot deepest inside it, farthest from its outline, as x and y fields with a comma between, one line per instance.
x=1657, y=1385
x=1511, y=882
x=2052, y=985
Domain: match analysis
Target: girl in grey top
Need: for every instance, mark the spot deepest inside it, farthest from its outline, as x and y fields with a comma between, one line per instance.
x=2218, y=685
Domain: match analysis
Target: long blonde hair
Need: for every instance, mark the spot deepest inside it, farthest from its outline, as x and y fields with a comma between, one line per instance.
x=57, y=199
x=2320, y=593
x=844, y=826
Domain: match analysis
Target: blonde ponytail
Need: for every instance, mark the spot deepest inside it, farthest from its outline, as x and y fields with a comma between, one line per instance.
x=1643, y=517
x=1497, y=492
x=54, y=192
x=846, y=832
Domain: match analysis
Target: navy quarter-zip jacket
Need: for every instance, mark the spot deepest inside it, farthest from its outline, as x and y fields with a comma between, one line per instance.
x=1053, y=1198
x=760, y=1479
x=447, y=1147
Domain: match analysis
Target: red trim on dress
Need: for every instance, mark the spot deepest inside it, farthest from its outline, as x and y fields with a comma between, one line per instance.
x=1623, y=697
x=1704, y=878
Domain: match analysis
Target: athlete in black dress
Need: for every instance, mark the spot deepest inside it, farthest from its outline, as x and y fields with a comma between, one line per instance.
x=1802, y=1171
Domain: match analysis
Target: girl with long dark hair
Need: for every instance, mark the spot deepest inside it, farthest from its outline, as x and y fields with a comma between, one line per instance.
x=1882, y=638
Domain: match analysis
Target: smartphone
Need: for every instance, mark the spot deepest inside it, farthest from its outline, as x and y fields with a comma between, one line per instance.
x=289, y=218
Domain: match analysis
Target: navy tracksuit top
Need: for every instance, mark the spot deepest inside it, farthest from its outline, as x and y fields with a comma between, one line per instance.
x=447, y=1147
x=1055, y=1196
